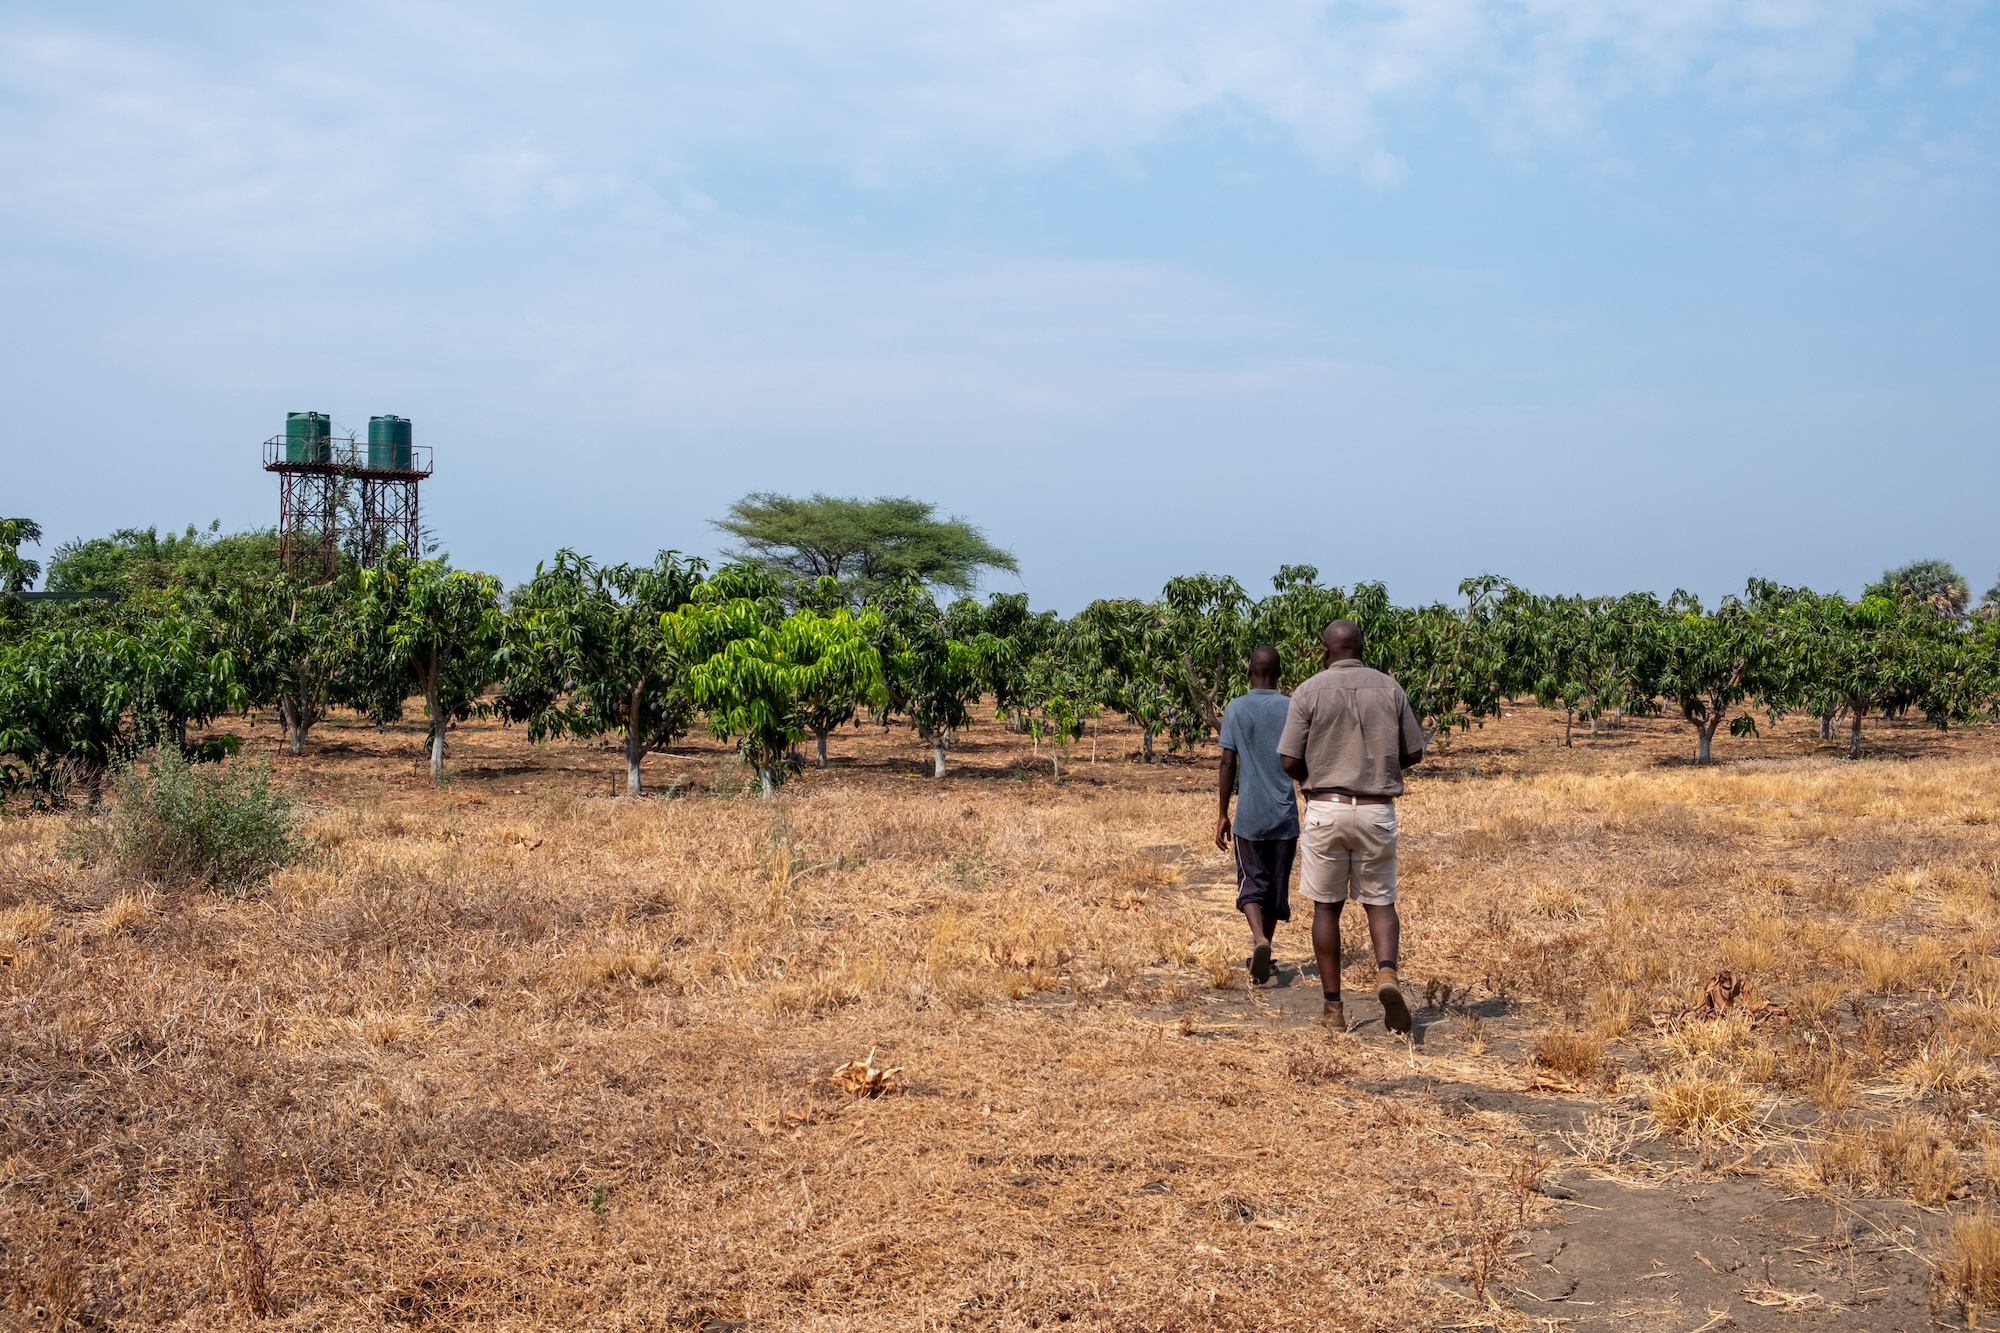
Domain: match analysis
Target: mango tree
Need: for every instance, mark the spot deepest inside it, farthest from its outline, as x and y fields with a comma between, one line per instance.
x=929, y=674
x=429, y=626
x=1204, y=641
x=1114, y=641
x=1710, y=662
x=1057, y=690
x=65, y=708
x=585, y=654
x=1875, y=655
x=290, y=637
x=769, y=685
x=76, y=701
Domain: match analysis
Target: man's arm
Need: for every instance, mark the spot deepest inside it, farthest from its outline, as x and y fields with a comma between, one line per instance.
x=1411, y=741
x=1225, y=787
x=1292, y=740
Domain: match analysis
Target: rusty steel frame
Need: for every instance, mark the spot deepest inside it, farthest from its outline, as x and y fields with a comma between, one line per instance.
x=309, y=503
x=389, y=516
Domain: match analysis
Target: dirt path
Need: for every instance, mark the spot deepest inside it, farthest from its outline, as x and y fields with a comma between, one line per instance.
x=1671, y=1245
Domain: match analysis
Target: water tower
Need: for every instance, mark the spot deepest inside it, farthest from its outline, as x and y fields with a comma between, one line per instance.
x=318, y=476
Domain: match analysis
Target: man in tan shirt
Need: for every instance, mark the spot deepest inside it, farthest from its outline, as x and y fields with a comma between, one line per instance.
x=1349, y=734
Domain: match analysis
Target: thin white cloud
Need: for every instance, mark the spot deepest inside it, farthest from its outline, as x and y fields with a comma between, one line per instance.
x=322, y=129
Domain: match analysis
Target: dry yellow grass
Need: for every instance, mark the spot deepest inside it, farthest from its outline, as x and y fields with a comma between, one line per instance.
x=1969, y=1276
x=514, y=1055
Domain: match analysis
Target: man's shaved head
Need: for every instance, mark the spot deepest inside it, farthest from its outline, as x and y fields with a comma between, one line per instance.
x=1342, y=639
x=1264, y=662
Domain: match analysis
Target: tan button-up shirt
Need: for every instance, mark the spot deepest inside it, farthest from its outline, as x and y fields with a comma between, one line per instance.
x=1354, y=728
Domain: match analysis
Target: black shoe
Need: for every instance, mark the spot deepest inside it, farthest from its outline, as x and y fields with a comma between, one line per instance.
x=1260, y=964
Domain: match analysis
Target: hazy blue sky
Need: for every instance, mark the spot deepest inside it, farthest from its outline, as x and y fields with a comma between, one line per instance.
x=1594, y=295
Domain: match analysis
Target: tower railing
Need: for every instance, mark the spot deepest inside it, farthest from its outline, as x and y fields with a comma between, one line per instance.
x=342, y=456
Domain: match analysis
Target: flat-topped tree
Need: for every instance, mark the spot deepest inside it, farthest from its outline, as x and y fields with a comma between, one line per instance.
x=584, y=653
x=864, y=545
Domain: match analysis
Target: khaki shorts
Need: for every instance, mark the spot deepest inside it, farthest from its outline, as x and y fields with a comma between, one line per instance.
x=1348, y=845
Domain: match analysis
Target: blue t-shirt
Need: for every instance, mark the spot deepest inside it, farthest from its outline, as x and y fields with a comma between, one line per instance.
x=1251, y=725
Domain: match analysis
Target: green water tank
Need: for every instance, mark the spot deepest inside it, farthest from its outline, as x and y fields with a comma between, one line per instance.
x=308, y=437
x=389, y=443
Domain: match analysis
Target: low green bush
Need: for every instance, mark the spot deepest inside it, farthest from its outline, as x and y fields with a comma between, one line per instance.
x=174, y=823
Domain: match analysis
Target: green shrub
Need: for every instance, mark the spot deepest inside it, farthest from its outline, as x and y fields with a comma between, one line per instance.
x=172, y=823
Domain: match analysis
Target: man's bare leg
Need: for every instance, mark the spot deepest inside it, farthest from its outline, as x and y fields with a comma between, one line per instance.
x=1260, y=942
x=1326, y=952
x=1385, y=931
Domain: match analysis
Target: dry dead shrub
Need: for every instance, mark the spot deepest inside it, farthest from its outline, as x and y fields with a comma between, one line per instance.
x=1940, y=1066
x=128, y=911
x=1614, y=1011
x=1558, y=902
x=1908, y=1158
x=25, y=923
x=1574, y=1054
x=1602, y=1137
x=1968, y=1276
x=1320, y=1062
x=1220, y=964
x=1703, y=1107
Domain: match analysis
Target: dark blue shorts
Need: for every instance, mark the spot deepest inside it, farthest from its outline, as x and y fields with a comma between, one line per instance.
x=1264, y=875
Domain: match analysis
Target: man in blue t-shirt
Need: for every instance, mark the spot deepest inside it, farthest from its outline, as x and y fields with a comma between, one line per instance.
x=1267, y=815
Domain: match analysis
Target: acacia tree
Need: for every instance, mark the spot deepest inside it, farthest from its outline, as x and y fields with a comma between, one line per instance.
x=585, y=653
x=1710, y=662
x=427, y=625
x=864, y=545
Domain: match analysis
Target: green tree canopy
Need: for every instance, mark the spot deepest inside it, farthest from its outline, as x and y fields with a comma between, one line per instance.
x=134, y=559
x=17, y=572
x=585, y=653
x=1936, y=582
x=866, y=545
x=424, y=624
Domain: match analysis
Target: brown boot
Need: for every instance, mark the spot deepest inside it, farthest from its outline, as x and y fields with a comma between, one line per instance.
x=1333, y=1016
x=1395, y=1012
